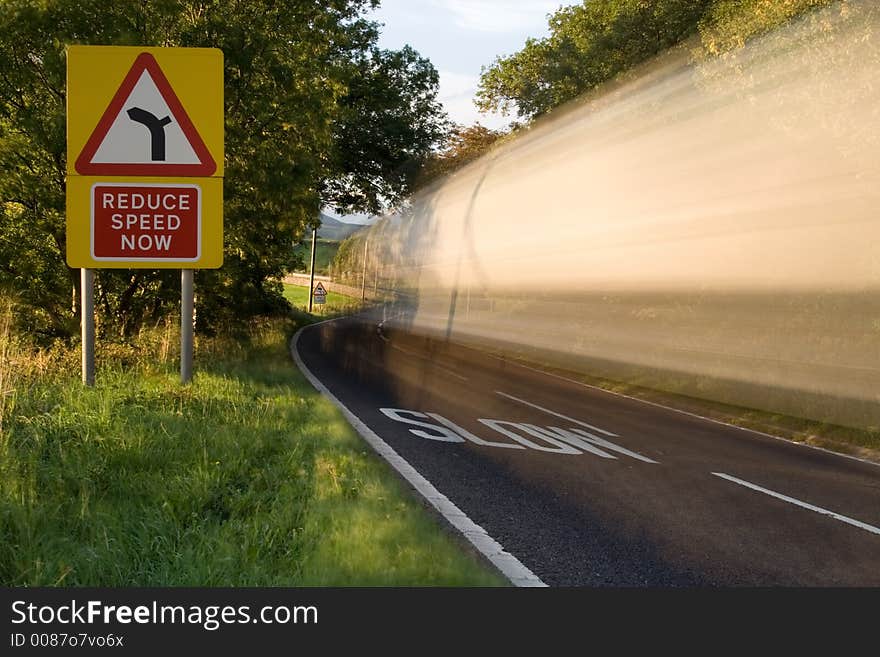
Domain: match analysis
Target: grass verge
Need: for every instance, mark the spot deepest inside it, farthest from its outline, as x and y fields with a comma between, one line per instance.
x=247, y=477
x=337, y=303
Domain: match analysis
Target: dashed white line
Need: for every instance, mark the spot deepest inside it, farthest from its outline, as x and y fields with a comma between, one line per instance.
x=803, y=505
x=511, y=567
x=564, y=417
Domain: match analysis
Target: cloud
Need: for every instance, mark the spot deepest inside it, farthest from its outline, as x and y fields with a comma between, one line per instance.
x=457, y=95
x=457, y=84
x=499, y=15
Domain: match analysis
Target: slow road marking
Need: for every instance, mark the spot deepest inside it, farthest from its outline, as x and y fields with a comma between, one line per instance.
x=593, y=439
x=557, y=440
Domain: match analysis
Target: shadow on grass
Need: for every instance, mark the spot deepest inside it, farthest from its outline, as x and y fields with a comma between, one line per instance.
x=245, y=477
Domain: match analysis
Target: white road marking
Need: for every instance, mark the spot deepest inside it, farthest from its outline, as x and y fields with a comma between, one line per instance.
x=443, y=434
x=473, y=438
x=677, y=410
x=804, y=505
x=559, y=447
x=596, y=440
x=506, y=563
x=564, y=417
x=571, y=438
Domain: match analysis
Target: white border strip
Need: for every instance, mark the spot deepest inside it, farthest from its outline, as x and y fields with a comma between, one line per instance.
x=678, y=410
x=506, y=563
x=803, y=505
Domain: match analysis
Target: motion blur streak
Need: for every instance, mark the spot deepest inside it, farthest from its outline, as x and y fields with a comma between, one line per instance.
x=709, y=227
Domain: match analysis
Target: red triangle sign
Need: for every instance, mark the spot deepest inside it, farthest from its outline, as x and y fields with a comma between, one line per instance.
x=145, y=131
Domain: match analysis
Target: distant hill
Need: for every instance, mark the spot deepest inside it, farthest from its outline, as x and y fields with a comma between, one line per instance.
x=333, y=229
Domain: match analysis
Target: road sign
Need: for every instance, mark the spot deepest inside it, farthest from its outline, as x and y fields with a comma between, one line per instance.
x=106, y=136
x=144, y=222
x=131, y=221
x=145, y=131
x=320, y=294
x=145, y=157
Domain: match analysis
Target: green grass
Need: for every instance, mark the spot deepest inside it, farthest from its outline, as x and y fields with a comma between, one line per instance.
x=324, y=254
x=245, y=478
x=337, y=303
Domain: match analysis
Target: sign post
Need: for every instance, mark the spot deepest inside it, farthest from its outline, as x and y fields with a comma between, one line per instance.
x=144, y=169
x=87, y=324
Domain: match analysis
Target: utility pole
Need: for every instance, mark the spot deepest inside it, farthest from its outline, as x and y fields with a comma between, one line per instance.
x=312, y=268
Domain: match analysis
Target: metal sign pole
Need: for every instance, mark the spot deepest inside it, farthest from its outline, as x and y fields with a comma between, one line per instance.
x=312, y=268
x=87, y=324
x=186, y=325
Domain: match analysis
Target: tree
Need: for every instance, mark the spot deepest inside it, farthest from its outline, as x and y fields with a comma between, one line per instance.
x=315, y=114
x=594, y=42
x=390, y=122
x=588, y=45
x=464, y=144
x=729, y=24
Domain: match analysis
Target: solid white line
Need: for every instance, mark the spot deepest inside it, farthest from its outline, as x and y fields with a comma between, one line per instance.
x=678, y=410
x=564, y=417
x=506, y=563
x=791, y=500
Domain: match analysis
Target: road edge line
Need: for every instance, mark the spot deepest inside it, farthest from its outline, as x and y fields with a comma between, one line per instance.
x=507, y=564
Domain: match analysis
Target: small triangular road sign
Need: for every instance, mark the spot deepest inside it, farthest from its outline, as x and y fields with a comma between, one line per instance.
x=145, y=131
x=319, y=289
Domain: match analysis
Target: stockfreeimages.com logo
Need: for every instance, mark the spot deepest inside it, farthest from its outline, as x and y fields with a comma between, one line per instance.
x=210, y=617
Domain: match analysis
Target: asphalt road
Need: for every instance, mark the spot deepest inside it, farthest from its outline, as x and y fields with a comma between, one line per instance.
x=589, y=488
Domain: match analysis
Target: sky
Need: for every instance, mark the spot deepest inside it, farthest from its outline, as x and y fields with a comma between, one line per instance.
x=460, y=37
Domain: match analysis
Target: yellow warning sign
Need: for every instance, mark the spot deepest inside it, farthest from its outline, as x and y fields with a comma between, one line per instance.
x=144, y=111
x=145, y=157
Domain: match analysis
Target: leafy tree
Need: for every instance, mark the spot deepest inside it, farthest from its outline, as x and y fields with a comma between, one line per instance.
x=594, y=42
x=729, y=24
x=464, y=144
x=588, y=44
x=315, y=115
x=820, y=36
x=347, y=264
x=390, y=122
